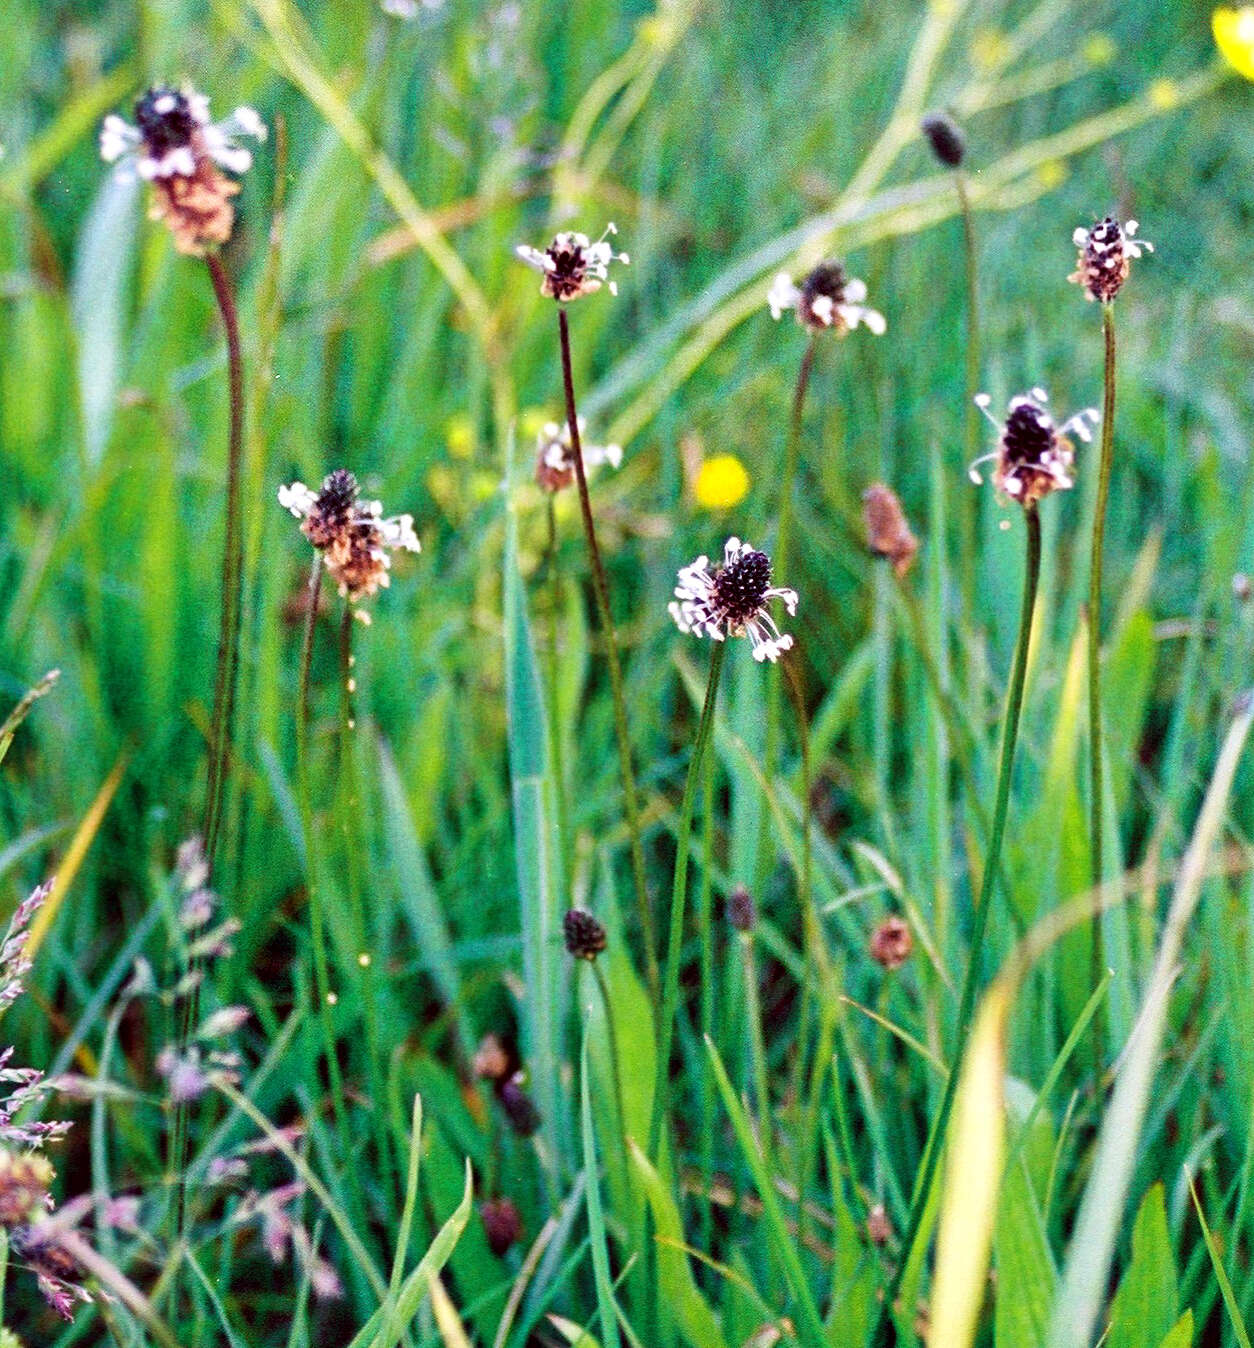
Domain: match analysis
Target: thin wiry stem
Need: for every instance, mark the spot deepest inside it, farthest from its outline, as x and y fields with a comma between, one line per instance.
x=225, y=677
x=553, y=574
x=603, y=988
x=602, y=590
x=1095, y=653
x=705, y=904
x=882, y=1335
x=783, y=540
x=679, y=897
x=317, y=918
x=232, y=568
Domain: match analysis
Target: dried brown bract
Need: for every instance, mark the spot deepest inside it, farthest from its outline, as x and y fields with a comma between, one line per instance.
x=887, y=533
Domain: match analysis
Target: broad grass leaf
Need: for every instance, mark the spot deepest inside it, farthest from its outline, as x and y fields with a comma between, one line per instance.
x=1181, y=1333
x=1147, y=1302
x=1025, y=1269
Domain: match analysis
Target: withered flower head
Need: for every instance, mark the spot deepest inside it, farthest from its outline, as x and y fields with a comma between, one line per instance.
x=742, y=912
x=879, y=1228
x=1106, y=254
x=1033, y=455
x=501, y=1224
x=585, y=936
x=555, y=455
x=572, y=266
x=731, y=600
x=945, y=137
x=887, y=533
x=181, y=152
x=491, y=1061
x=25, y=1179
x=891, y=943
x=827, y=300
x=352, y=535
x=520, y=1109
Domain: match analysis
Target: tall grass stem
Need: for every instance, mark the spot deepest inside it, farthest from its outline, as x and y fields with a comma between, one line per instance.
x=679, y=894
x=971, y=376
x=602, y=590
x=882, y=1333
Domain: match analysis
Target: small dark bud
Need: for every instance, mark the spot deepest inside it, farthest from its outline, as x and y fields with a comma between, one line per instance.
x=585, y=936
x=945, y=137
x=742, y=912
x=887, y=532
x=891, y=943
x=523, y=1116
x=501, y=1224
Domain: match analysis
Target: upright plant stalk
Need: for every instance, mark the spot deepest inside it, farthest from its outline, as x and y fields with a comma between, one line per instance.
x=232, y=567
x=554, y=576
x=1095, y=648
x=705, y=905
x=603, y=988
x=602, y=590
x=317, y=918
x=679, y=895
x=224, y=677
x=783, y=539
x=882, y=1335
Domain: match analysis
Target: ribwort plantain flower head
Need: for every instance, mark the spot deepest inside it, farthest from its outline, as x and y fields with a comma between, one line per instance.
x=945, y=137
x=891, y=943
x=175, y=146
x=571, y=266
x=1033, y=455
x=555, y=455
x=352, y=535
x=1106, y=254
x=584, y=934
x=732, y=600
x=827, y=300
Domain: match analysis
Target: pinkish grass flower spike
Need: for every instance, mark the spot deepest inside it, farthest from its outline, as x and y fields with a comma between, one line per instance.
x=1033, y=456
x=732, y=600
x=1106, y=254
x=572, y=266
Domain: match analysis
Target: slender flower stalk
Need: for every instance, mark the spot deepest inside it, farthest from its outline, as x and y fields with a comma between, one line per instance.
x=1105, y=256
x=601, y=589
x=1096, y=841
x=679, y=898
x=882, y=1333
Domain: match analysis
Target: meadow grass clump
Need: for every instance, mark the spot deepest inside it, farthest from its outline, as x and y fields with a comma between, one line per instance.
x=942, y=1034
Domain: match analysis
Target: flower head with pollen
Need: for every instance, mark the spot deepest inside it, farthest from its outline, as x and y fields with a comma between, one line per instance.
x=353, y=537
x=828, y=299
x=1106, y=253
x=731, y=600
x=1033, y=455
x=1234, y=36
x=572, y=266
x=177, y=148
x=555, y=455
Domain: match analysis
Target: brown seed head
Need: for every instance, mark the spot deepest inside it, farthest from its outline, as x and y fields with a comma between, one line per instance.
x=891, y=943
x=945, y=137
x=520, y=1109
x=887, y=533
x=879, y=1229
x=501, y=1224
x=585, y=936
x=491, y=1061
x=742, y=912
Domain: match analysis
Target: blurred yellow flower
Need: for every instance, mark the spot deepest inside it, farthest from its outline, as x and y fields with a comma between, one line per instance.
x=721, y=483
x=459, y=434
x=1164, y=94
x=1100, y=49
x=1234, y=36
x=1051, y=173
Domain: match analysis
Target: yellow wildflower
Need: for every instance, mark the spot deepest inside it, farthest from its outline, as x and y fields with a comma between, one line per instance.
x=1234, y=36
x=722, y=482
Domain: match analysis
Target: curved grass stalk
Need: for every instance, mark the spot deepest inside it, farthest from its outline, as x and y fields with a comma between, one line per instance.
x=882, y=1334
x=601, y=589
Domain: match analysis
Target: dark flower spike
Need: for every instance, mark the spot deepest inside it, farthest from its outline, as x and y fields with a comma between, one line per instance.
x=1106, y=254
x=572, y=266
x=731, y=600
x=585, y=936
x=1033, y=455
x=827, y=300
x=945, y=137
x=891, y=943
x=501, y=1224
x=181, y=152
x=742, y=912
x=353, y=536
